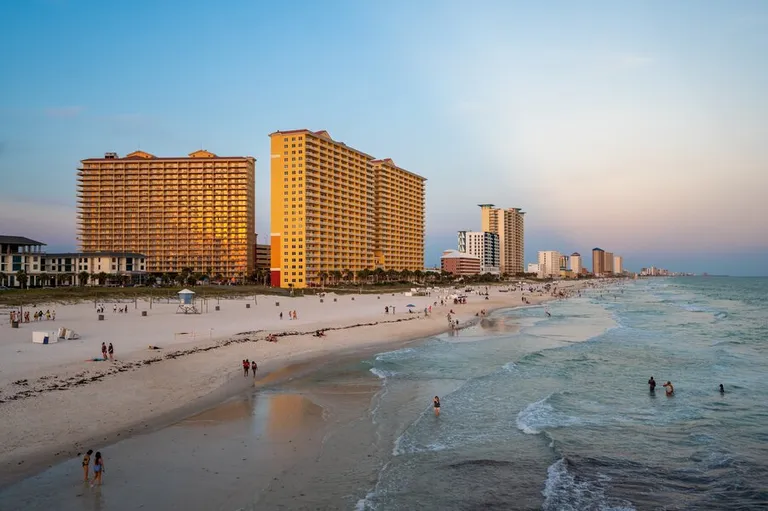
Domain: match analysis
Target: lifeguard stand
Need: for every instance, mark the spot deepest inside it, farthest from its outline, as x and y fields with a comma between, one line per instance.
x=187, y=302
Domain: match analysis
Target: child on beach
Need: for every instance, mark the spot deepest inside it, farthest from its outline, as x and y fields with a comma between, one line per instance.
x=253, y=368
x=98, y=469
x=87, y=465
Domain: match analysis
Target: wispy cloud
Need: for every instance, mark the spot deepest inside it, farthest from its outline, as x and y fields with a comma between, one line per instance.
x=64, y=112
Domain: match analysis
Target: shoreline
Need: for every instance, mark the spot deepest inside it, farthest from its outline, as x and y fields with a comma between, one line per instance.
x=210, y=376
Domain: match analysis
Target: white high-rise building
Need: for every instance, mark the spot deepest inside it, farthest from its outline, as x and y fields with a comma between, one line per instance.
x=576, y=263
x=484, y=245
x=618, y=265
x=549, y=263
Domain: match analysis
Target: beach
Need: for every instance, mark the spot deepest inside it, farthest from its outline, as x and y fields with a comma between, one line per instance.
x=58, y=402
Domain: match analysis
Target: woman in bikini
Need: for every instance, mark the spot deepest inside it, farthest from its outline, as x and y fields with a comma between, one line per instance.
x=87, y=465
x=436, y=405
x=98, y=469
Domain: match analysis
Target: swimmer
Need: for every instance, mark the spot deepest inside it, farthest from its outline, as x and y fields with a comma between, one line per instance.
x=436, y=405
x=652, y=384
x=670, y=388
x=722, y=389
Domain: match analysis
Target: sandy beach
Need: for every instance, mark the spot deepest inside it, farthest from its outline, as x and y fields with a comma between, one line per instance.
x=56, y=401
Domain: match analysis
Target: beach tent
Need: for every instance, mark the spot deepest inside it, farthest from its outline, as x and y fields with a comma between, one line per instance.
x=44, y=337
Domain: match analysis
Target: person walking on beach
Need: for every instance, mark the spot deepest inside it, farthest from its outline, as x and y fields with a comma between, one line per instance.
x=436, y=406
x=246, y=366
x=281, y=315
x=254, y=367
x=670, y=388
x=104, y=350
x=98, y=469
x=652, y=384
x=87, y=465
x=111, y=351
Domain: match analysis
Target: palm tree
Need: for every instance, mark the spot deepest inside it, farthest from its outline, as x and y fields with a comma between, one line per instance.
x=405, y=274
x=419, y=275
x=363, y=274
x=336, y=276
x=2, y=279
x=391, y=274
x=101, y=278
x=22, y=277
x=348, y=275
x=44, y=279
x=378, y=273
x=323, y=276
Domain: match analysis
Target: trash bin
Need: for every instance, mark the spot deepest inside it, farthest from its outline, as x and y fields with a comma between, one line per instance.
x=353, y=298
x=101, y=317
x=143, y=313
x=334, y=299
x=14, y=324
x=321, y=300
x=277, y=304
x=218, y=308
x=247, y=305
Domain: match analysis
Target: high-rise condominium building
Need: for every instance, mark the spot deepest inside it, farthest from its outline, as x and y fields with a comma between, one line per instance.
x=618, y=265
x=484, y=245
x=576, y=263
x=509, y=224
x=549, y=263
x=608, y=262
x=335, y=208
x=193, y=212
x=598, y=264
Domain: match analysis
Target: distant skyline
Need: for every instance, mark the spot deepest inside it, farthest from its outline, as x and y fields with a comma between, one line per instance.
x=639, y=128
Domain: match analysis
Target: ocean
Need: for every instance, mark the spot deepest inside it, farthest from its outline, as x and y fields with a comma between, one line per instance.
x=574, y=426
x=538, y=411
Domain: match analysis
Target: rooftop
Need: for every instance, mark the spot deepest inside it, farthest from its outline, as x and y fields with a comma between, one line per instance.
x=455, y=254
x=143, y=155
x=575, y=254
x=18, y=240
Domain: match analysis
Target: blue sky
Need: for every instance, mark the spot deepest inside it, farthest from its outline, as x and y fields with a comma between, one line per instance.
x=636, y=127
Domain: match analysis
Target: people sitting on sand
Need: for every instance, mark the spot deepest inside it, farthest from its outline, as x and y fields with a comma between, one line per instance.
x=669, y=387
x=319, y=333
x=152, y=347
x=271, y=338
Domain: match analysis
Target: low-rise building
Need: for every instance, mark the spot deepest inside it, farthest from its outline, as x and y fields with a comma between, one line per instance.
x=24, y=263
x=459, y=263
x=533, y=268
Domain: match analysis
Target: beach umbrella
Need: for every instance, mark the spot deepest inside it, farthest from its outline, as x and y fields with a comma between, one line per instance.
x=410, y=305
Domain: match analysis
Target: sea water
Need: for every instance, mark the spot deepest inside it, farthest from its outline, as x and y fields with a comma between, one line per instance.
x=558, y=415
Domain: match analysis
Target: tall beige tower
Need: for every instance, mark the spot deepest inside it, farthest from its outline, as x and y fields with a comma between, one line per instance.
x=193, y=212
x=509, y=224
x=336, y=208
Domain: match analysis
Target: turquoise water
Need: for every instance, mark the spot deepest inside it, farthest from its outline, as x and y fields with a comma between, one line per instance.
x=573, y=426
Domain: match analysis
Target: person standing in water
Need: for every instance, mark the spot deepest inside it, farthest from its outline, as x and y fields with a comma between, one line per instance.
x=98, y=469
x=722, y=389
x=669, y=387
x=87, y=465
x=652, y=384
x=436, y=405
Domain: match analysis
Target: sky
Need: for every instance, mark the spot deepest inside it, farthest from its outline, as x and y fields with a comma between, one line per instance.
x=637, y=127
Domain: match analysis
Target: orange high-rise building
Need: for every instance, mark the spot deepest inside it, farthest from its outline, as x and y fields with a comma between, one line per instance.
x=193, y=212
x=337, y=209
